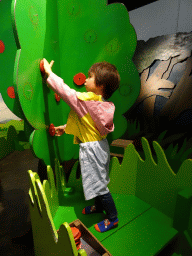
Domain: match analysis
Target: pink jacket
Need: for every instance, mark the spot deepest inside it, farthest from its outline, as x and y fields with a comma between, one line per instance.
x=94, y=116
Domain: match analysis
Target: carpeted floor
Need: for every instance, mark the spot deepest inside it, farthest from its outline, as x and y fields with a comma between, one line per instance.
x=15, y=227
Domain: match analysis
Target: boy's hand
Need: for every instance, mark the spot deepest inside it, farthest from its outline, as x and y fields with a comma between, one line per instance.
x=47, y=66
x=60, y=130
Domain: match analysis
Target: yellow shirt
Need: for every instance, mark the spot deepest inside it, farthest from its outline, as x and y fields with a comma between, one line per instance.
x=84, y=128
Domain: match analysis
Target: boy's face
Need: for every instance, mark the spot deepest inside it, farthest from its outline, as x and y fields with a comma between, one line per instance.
x=90, y=84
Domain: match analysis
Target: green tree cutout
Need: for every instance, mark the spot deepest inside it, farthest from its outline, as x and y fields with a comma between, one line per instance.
x=75, y=34
x=7, y=58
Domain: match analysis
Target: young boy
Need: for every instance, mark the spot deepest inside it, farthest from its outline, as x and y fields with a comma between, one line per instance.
x=90, y=120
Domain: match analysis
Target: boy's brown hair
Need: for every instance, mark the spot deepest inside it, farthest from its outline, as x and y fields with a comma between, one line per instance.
x=106, y=74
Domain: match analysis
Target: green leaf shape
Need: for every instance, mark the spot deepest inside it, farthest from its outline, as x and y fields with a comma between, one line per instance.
x=10, y=144
x=133, y=128
x=4, y=148
x=182, y=150
x=61, y=182
x=176, y=157
x=69, y=32
x=46, y=239
x=8, y=58
x=51, y=191
x=12, y=140
x=174, y=151
x=161, y=136
x=185, y=154
x=152, y=181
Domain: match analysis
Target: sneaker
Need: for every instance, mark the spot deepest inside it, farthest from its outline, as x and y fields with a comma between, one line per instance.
x=106, y=225
x=90, y=209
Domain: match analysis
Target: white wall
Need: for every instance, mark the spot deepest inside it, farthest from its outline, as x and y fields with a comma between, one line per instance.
x=162, y=17
x=185, y=16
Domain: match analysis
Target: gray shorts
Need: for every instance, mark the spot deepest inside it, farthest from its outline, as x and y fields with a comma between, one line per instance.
x=94, y=159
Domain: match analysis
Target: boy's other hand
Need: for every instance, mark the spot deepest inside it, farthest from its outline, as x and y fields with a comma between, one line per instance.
x=47, y=66
x=60, y=130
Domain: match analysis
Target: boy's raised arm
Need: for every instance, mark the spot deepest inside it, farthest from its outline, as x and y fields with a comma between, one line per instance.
x=57, y=84
x=66, y=93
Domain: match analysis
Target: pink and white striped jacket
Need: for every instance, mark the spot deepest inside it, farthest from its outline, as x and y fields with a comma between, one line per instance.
x=90, y=118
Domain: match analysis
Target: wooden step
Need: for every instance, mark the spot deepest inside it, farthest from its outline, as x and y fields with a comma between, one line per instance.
x=121, y=143
x=116, y=155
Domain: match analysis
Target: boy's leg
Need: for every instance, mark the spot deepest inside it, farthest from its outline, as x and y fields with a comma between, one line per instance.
x=109, y=206
x=96, y=208
x=111, y=211
x=98, y=204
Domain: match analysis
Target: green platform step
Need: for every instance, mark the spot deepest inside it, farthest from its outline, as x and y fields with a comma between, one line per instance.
x=146, y=235
x=142, y=229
